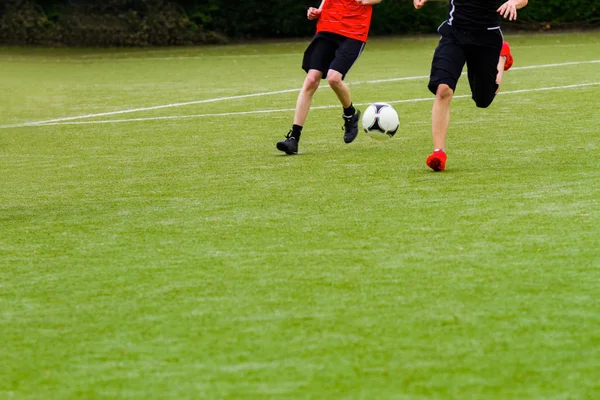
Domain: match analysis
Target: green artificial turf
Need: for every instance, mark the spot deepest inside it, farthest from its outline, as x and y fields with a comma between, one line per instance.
x=180, y=255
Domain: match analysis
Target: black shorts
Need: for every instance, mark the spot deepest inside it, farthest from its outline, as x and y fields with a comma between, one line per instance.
x=332, y=51
x=480, y=50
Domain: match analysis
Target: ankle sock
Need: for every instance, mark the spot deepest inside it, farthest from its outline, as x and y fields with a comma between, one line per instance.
x=348, y=112
x=296, y=131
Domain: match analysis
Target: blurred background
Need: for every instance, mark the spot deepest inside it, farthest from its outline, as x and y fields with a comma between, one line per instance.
x=193, y=22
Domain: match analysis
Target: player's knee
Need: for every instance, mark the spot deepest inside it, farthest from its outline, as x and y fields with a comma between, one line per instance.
x=484, y=97
x=483, y=101
x=335, y=80
x=311, y=83
x=444, y=92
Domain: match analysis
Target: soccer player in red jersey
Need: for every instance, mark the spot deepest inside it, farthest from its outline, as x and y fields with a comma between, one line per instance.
x=471, y=35
x=342, y=31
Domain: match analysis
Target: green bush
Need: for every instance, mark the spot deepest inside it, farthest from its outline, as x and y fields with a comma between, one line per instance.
x=25, y=22
x=102, y=23
x=561, y=11
x=546, y=14
x=184, y=22
x=400, y=17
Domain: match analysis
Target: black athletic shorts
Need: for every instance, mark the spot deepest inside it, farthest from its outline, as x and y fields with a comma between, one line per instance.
x=479, y=49
x=332, y=51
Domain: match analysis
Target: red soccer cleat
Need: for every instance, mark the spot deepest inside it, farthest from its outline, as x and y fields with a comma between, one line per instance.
x=505, y=52
x=437, y=160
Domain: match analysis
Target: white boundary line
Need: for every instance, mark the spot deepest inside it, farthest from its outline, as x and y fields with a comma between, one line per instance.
x=244, y=96
x=229, y=114
x=556, y=65
x=188, y=103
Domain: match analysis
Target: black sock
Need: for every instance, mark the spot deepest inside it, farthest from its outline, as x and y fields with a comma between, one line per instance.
x=348, y=112
x=296, y=131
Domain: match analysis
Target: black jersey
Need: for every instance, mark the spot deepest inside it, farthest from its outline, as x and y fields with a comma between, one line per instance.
x=474, y=14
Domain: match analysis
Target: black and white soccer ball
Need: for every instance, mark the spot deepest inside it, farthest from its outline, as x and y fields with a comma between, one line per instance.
x=380, y=121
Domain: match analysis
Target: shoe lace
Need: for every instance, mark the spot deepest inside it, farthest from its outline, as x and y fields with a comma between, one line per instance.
x=289, y=135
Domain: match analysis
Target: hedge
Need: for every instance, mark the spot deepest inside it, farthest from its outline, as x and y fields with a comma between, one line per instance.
x=186, y=22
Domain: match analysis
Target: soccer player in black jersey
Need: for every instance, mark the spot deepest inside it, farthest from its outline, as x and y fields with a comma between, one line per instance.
x=471, y=35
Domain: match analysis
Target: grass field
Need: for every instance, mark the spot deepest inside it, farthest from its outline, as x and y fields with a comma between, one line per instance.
x=155, y=244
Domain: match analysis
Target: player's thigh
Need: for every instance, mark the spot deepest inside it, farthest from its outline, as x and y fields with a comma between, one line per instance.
x=348, y=51
x=482, y=65
x=319, y=55
x=448, y=61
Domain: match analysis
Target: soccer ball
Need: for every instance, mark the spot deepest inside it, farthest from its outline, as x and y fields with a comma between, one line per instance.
x=380, y=121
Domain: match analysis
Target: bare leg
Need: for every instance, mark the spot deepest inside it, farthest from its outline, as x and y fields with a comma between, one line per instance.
x=500, y=75
x=310, y=86
x=340, y=88
x=440, y=115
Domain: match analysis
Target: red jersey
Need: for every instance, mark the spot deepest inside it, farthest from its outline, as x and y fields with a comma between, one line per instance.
x=346, y=18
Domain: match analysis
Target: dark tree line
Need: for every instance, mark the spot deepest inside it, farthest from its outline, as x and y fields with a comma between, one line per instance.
x=184, y=22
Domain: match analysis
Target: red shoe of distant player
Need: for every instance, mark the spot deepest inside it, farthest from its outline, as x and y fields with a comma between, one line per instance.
x=505, y=52
x=437, y=160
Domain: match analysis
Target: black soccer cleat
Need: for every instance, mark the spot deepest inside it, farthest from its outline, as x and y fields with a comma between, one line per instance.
x=289, y=145
x=351, y=127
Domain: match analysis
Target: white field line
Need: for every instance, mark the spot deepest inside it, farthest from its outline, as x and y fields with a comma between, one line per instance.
x=556, y=65
x=105, y=114
x=230, y=114
x=244, y=96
